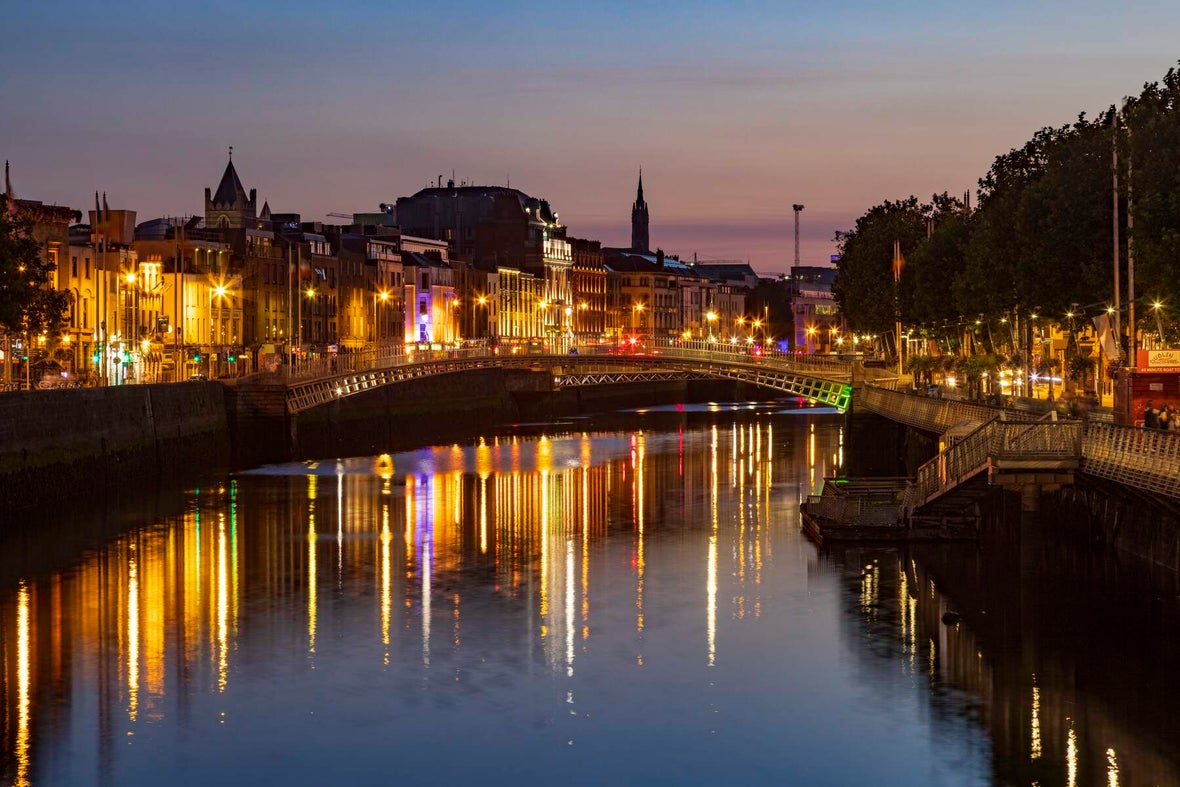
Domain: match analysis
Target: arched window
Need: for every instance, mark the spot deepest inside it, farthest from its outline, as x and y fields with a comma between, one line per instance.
x=223, y=223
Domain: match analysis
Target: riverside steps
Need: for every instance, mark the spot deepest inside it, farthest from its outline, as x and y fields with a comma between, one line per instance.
x=985, y=451
x=982, y=450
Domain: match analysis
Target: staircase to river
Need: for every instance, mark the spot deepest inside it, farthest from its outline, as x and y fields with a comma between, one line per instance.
x=942, y=500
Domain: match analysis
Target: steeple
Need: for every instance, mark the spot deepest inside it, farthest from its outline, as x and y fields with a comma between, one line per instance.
x=639, y=219
x=230, y=207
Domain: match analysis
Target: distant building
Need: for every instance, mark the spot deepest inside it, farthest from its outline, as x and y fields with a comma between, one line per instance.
x=814, y=308
x=502, y=229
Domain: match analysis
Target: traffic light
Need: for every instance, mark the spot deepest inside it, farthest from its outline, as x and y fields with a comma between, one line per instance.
x=233, y=356
x=94, y=359
x=197, y=357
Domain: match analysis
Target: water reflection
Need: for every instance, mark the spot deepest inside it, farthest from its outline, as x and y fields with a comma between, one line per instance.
x=1054, y=717
x=581, y=589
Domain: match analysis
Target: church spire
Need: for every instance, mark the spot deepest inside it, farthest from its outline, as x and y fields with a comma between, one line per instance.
x=639, y=219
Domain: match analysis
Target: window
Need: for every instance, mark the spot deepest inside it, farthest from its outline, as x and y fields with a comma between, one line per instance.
x=74, y=265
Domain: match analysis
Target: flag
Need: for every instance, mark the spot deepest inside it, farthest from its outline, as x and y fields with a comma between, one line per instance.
x=898, y=261
x=1106, y=338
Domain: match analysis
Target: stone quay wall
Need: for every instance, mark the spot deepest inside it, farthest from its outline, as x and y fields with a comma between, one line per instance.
x=59, y=446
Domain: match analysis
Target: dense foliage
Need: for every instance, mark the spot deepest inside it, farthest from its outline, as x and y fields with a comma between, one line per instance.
x=1040, y=239
x=28, y=300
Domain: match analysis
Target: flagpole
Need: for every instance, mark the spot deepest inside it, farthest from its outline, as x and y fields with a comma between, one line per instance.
x=897, y=303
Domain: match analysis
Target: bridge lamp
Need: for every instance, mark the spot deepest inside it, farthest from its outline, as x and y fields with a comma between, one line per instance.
x=482, y=300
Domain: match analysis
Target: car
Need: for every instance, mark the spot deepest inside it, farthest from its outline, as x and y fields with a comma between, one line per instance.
x=198, y=377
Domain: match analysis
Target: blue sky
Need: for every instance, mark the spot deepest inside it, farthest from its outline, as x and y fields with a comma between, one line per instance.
x=734, y=110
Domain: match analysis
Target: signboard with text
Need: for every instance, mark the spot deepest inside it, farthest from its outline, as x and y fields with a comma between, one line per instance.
x=1159, y=360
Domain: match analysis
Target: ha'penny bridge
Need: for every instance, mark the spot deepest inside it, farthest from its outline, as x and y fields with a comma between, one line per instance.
x=982, y=447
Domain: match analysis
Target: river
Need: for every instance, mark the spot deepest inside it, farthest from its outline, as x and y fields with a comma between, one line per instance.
x=624, y=599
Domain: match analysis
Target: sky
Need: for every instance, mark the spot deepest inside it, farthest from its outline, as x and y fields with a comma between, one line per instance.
x=734, y=110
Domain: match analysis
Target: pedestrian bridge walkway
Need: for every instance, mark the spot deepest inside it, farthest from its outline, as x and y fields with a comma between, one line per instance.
x=820, y=380
x=1001, y=445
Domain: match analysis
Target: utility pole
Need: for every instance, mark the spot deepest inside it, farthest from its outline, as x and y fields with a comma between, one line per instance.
x=1133, y=351
x=1114, y=171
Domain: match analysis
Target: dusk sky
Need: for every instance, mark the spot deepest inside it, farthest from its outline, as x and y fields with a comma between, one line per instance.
x=733, y=110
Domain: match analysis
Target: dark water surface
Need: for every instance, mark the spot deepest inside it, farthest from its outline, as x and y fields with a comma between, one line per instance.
x=622, y=600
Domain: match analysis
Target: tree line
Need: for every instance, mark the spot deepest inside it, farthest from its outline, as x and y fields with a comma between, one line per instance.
x=1040, y=239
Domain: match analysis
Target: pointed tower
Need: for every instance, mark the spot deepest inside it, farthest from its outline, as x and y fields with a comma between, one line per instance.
x=230, y=207
x=639, y=237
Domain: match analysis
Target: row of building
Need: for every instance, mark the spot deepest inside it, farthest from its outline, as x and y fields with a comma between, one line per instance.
x=212, y=294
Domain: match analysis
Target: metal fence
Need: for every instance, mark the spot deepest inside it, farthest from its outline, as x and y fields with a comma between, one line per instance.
x=1145, y=459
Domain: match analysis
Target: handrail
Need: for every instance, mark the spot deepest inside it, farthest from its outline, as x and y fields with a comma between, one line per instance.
x=1145, y=459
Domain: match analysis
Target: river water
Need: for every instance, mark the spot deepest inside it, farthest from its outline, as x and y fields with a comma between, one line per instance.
x=616, y=600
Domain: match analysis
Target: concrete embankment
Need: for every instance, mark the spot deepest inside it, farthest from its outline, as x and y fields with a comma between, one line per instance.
x=96, y=443
x=80, y=446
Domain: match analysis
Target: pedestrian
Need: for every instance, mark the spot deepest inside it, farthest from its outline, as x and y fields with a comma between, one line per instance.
x=1166, y=418
x=1151, y=416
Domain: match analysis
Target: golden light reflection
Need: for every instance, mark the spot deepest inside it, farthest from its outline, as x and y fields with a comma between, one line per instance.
x=711, y=561
x=1112, y=768
x=569, y=607
x=811, y=458
x=1071, y=758
x=222, y=606
x=386, y=579
x=22, y=686
x=640, y=558
x=312, y=590
x=585, y=552
x=544, y=589
x=1035, y=723
x=483, y=514
x=132, y=635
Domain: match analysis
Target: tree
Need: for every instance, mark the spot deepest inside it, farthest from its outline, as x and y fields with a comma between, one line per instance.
x=864, y=277
x=1153, y=148
x=28, y=301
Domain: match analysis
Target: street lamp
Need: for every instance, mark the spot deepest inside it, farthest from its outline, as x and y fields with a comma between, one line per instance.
x=379, y=299
x=711, y=317
x=1156, y=307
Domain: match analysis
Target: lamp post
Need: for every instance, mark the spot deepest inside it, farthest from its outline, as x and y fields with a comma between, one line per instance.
x=131, y=337
x=710, y=318
x=1156, y=307
x=636, y=319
